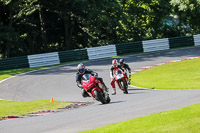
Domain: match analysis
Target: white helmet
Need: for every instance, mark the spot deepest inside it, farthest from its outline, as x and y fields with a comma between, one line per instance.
x=81, y=68
x=114, y=63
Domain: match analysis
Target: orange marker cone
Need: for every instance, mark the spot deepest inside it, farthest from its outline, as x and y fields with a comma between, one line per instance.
x=51, y=100
x=170, y=61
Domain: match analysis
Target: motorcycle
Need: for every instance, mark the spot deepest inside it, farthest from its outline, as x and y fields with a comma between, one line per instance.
x=122, y=80
x=94, y=88
x=126, y=72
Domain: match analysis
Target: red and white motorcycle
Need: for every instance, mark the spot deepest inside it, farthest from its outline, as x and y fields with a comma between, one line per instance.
x=94, y=88
x=122, y=80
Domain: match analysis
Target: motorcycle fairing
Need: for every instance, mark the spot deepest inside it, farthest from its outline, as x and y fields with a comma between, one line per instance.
x=89, y=83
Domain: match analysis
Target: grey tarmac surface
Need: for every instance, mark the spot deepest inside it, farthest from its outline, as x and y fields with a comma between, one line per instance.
x=59, y=83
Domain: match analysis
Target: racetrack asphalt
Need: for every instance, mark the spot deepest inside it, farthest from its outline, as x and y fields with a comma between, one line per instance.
x=59, y=82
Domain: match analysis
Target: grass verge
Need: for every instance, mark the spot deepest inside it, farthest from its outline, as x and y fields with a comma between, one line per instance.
x=8, y=73
x=177, y=75
x=20, y=108
x=183, y=120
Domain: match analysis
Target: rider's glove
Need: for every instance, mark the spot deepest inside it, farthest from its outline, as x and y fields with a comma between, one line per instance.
x=96, y=74
x=79, y=85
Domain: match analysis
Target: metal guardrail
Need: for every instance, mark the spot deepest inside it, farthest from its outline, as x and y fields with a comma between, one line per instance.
x=98, y=52
x=131, y=47
x=73, y=55
x=101, y=52
x=43, y=59
x=155, y=45
x=176, y=42
x=14, y=62
x=196, y=40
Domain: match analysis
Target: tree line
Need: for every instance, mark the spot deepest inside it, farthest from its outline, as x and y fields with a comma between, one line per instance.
x=40, y=26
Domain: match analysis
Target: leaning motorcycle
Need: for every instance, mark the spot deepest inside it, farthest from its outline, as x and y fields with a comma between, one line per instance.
x=94, y=88
x=122, y=80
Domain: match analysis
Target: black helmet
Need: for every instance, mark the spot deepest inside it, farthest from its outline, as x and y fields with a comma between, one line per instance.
x=81, y=68
x=121, y=61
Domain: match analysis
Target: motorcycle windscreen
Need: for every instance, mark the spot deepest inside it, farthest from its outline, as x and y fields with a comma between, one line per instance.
x=118, y=72
x=88, y=81
x=86, y=78
x=119, y=76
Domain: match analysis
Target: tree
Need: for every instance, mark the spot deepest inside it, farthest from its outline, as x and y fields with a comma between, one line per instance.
x=9, y=35
x=22, y=26
x=188, y=14
x=87, y=23
x=144, y=18
x=38, y=26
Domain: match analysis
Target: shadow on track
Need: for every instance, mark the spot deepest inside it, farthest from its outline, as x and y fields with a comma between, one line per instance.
x=130, y=93
x=138, y=89
x=116, y=102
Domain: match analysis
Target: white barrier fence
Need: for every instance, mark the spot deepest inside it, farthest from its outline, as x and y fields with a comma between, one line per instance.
x=196, y=40
x=43, y=59
x=155, y=45
x=102, y=52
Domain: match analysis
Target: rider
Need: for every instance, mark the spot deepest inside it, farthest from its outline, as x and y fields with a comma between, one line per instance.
x=126, y=67
x=112, y=69
x=81, y=71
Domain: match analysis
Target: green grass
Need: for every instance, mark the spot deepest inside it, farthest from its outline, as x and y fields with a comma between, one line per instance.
x=183, y=120
x=8, y=73
x=176, y=75
x=179, y=75
x=20, y=108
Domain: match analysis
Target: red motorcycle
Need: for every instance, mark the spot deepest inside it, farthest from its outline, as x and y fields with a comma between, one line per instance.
x=122, y=80
x=94, y=88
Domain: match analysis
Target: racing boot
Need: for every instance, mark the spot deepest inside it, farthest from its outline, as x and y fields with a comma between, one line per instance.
x=114, y=91
x=129, y=81
x=106, y=89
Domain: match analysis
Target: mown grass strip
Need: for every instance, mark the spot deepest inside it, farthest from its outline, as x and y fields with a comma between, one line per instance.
x=20, y=108
x=183, y=120
x=176, y=75
x=8, y=73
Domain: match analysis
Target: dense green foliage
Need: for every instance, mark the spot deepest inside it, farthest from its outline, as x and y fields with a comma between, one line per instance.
x=39, y=26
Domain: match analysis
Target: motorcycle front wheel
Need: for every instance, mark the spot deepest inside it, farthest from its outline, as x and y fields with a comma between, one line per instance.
x=125, y=85
x=108, y=99
x=99, y=97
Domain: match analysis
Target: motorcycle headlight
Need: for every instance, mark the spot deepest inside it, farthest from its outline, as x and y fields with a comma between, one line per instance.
x=119, y=76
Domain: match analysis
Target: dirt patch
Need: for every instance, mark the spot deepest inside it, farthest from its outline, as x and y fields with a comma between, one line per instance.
x=73, y=105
